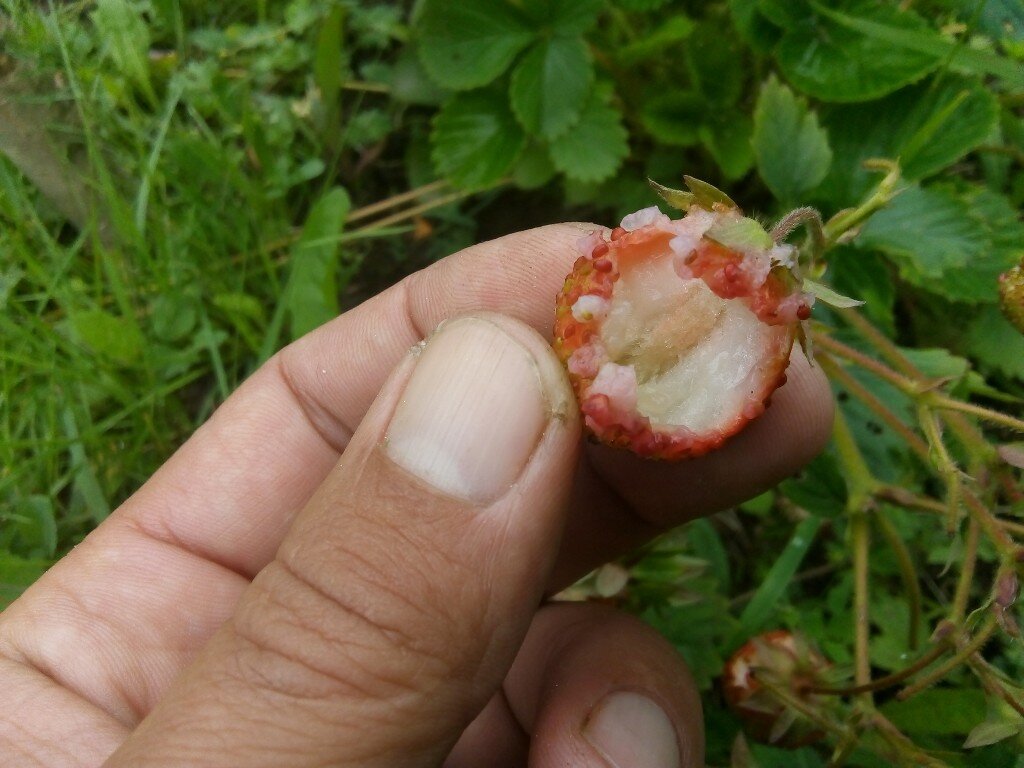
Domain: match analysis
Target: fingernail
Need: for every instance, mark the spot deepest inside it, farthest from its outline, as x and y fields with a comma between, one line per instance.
x=472, y=413
x=631, y=731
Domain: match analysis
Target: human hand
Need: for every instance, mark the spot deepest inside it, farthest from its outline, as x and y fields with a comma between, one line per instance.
x=261, y=602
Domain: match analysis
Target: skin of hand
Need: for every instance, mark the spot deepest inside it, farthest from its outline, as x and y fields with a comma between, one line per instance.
x=344, y=565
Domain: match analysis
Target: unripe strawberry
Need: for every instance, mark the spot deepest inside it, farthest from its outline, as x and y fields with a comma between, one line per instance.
x=1011, y=295
x=782, y=660
x=675, y=333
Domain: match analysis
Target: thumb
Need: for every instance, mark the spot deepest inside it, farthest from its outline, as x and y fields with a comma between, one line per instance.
x=402, y=592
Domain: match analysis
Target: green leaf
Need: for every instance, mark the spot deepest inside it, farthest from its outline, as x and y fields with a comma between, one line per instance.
x=991, y=732
x=126, y=36
x=469, y=43
x=327, y=66
x=728, y=137
x=550, y=85
x=753, y=27
x=828, y=295
x=834, y=62
x=996, y=344
x=312, y=290
x=772, y=589
x=819, y=488
x=641, y=5
x=596, y=146
x=674, y=117
x=410, y=83
x=17, y=574
x=564, y=17
x=109, y=335
x=937, y=363
x=952, y=244
x=926, y=42
x=534, y=168
x=476, y=139
x=938, y=711
x=928, y=229
x=792, y=149
x=666, y=35
x=715, y=62
x=926, y=127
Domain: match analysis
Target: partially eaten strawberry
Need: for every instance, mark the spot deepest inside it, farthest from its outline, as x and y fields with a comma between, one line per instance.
x=783, y=661
x=675, y=333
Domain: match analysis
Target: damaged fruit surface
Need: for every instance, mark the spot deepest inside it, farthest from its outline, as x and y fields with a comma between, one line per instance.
x=675, y=332
x=783, y=661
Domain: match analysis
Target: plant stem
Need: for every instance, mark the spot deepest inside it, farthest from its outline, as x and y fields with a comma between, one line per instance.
x=860, y=532
x=881, y=370
x=395, y=200
x=907, y=572
x=990, y=524
x=860, y=483
x=844, y=221
x=410, y=213
x=966, y=432
x=990, y=680
x=983, y=635
x=937, y=400
x=966, y=578
x=904, y=498
x=903, y=746
x=862, y=393
x=801, y=706
x=944, y=463
x=885, y=346
x=889, y=680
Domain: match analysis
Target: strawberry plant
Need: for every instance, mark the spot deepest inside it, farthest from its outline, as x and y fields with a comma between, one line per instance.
x=186, y=186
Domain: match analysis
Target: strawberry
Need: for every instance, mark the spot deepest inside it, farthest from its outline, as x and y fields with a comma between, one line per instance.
x=675, y=333
x=784, y=661
x=1011, y=296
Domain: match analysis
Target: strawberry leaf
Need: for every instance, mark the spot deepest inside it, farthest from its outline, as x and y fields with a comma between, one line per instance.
x=564, y=17
x=597, y=144
x=792, y=149
x=469, y=43
x=674, y=117
x=927, y=126
x=550, y=85
x=952, y=244
x=476, y=140
x=728, y=139
x=836, y=62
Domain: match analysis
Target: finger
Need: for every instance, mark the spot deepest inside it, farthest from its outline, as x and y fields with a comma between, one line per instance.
x=398, y=599
x=592, y=688
x=120, y=616
x=622, y=501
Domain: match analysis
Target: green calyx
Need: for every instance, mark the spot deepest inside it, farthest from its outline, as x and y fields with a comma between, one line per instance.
x=700, y=193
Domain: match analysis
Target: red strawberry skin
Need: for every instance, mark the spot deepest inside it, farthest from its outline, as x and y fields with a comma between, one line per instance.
x=792, y=663
x=595, y=274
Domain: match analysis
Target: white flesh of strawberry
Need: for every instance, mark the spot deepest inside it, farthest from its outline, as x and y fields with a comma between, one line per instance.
x=698, y=358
